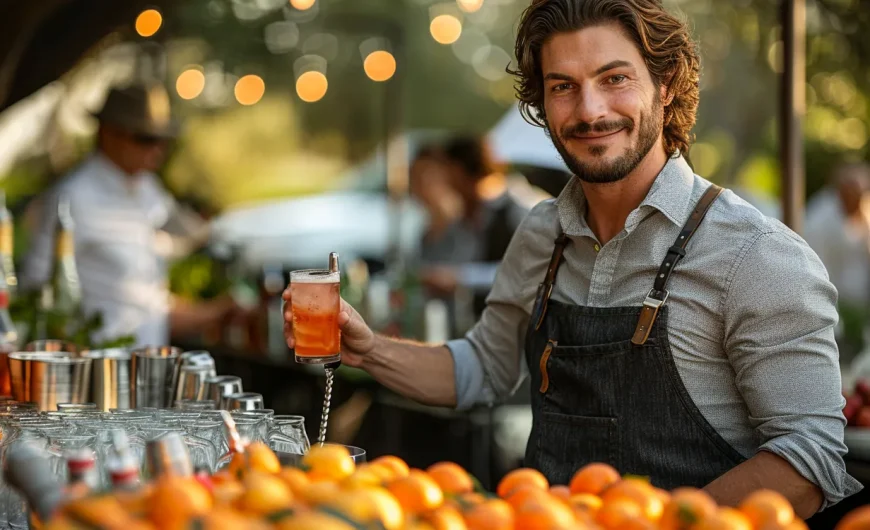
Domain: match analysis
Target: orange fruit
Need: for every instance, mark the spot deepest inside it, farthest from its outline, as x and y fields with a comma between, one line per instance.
x=561, y=492
x=387, y=509
x=227, y=492
x=101, y=511
x=638, y=491
x=614, y=513
x=688, y=506
x=492, y=514
x=295, y=478
x=593, y=478
x=638, y=523
x=317, y=493
x=585, y=503
x=724, y=519
x=765, y=507
x=313, y=520
x=397, y=467
x=451, y=478
x=225, y=519
x=663, y=496
x=445, y=518
x=857, y=519
x=261, y=458
x=549, y=514
x=417, y=492
x=175, y=500
x=364, y=477
x=264, y=494
x=799, y=524
x=521, y=477
x=522, y=494
x=328, y=463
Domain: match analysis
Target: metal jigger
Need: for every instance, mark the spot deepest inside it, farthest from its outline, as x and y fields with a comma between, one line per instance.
x=329, y=370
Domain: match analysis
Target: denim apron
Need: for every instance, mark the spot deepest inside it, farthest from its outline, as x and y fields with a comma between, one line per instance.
x=605, y=387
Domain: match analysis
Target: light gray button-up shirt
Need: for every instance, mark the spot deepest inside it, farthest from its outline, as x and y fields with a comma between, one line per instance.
x=751, y=317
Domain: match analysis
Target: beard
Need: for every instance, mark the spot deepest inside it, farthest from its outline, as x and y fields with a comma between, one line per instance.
x=649, y=127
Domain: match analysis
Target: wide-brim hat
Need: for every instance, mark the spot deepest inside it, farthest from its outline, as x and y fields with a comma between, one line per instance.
x=139, y=109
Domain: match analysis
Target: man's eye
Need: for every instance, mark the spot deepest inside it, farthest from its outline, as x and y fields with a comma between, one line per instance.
x=561, y=86
x=616, y=79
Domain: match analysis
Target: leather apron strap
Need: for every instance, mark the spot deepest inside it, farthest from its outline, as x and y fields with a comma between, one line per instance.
x=658, y=295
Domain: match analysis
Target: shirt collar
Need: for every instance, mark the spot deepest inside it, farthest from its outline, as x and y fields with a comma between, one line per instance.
x=670, y=194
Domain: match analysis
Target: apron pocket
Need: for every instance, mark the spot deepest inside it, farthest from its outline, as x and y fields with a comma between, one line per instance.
x=566, y=443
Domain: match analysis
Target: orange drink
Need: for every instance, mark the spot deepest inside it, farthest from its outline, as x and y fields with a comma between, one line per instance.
x=316, y=302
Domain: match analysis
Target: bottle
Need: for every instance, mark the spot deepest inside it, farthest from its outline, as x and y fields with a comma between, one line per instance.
x=7, y=234
x=60, y=298
x=122, y=464
x=83, y=477
x=8, y=339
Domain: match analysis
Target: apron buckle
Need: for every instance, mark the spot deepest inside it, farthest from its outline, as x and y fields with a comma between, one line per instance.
x=648, y=315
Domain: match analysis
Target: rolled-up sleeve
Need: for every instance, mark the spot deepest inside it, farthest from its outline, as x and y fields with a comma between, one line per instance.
x=780, y=313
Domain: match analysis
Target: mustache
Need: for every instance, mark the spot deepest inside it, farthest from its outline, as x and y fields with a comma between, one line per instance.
x=597, y=127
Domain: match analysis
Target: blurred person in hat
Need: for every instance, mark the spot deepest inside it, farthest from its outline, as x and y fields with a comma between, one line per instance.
x=127, y=225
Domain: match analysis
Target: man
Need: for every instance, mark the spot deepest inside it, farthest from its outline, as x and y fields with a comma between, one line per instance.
x=676, y=334
x=468, y=248
x=838, y=230
x=120, y=210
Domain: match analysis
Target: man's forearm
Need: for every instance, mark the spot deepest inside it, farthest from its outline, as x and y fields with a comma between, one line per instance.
x=767, y=471
x=420, y=372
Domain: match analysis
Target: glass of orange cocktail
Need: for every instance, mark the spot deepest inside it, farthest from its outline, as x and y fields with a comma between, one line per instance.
x=316, y=301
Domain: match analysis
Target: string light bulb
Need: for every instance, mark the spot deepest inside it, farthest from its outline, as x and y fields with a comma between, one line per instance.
x=380, y=65
x=311, y=86
x=302, y=5
x=148, y=22
x=249, y=89
x=190, y=83
x=470, y=6
x=445, y=29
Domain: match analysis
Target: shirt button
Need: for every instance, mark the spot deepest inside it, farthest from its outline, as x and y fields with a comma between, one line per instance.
x=597, y=247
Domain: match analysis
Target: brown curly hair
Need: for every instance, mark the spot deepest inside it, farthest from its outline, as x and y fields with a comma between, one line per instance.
x=670, y=54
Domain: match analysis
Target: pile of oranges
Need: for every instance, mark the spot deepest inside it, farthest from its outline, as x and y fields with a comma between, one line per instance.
x=329, y=492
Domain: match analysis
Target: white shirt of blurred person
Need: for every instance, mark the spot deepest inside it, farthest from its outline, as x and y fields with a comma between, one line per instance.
x=837, y=228
x=126, y=225
x=473, y=215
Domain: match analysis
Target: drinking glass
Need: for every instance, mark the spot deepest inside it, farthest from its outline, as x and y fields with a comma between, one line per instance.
x=195, y=404
x=316, y=303
x=287, y=434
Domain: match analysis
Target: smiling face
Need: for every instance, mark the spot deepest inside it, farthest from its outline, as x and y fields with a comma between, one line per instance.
x=604, y=111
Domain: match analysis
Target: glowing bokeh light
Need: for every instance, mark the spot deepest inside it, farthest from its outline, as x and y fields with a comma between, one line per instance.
x=445, y=29
x=302, y=5
x=250, y=89
x=190, y=83
x=311, y=86
x=148, y=22
x=380, y=65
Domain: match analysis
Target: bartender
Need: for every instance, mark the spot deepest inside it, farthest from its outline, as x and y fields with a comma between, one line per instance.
x=670, y=329
x=127, y=226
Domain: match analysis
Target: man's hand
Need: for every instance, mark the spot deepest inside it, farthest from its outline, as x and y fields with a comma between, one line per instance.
x=357, y=339
x=440, y=280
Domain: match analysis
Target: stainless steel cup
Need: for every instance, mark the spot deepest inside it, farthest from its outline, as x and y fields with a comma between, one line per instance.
x=195, y=358
x=52, y=346
x=191, y=382
x=153, y=372
x=218, y=387
x=167, y=454
x=110, y=378
x=244, y=401
x=48, y=379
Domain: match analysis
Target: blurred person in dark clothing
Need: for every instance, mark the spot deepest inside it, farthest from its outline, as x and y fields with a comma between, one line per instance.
x=467, y=251
x=127, y=225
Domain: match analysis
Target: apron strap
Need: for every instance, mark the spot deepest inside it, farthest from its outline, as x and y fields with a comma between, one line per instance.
x=658, y=295
x=545, y=289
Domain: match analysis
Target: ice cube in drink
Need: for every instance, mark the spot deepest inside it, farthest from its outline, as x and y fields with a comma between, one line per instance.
x=316, y=302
